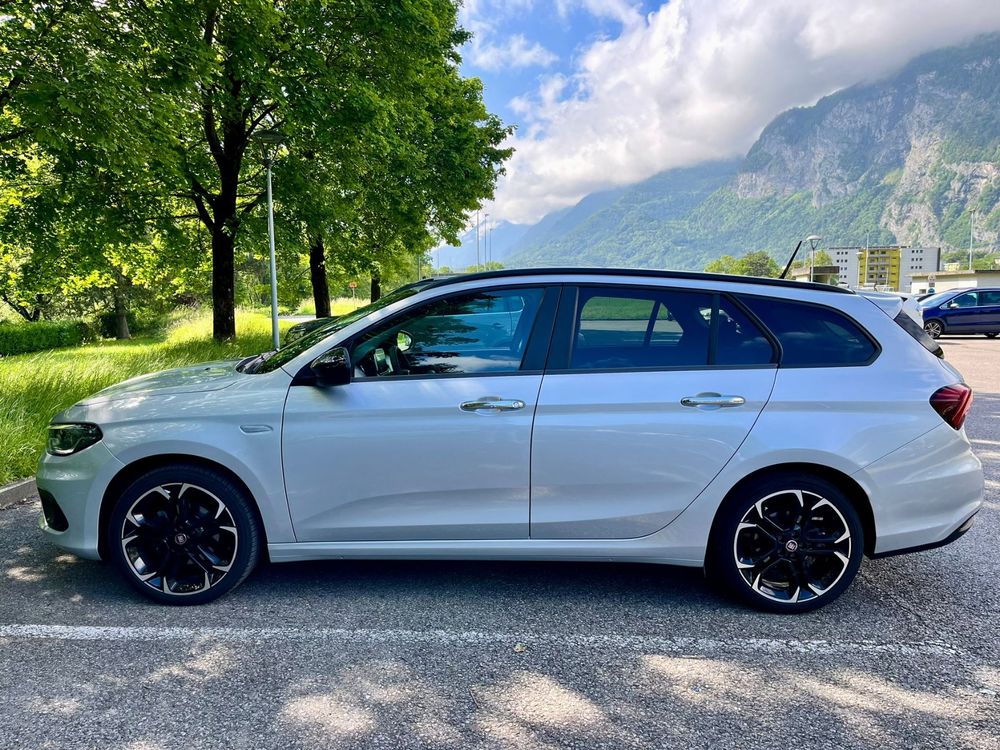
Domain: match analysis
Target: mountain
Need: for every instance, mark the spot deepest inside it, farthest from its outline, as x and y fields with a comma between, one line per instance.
x=906, y=159
x=505, y=238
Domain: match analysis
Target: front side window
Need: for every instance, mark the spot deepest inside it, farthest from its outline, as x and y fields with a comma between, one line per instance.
x=467, y=334
x=970, y=299
x=812, y=335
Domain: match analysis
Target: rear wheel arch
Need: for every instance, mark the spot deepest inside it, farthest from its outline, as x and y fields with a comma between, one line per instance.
x=130, y=472
x=846, y=484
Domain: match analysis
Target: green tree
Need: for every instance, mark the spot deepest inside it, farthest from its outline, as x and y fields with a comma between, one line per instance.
x=754, y=263
x=163, y=101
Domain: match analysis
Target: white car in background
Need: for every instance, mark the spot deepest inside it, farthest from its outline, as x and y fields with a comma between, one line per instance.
x=772, y=432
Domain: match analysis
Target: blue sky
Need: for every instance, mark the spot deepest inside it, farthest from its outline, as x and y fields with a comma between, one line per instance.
x=562, y=33
x=611, y=92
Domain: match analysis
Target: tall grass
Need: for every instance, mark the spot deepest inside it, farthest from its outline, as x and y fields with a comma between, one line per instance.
x=34, y=387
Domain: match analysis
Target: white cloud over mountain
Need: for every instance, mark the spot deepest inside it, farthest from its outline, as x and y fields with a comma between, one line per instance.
x=699, y=79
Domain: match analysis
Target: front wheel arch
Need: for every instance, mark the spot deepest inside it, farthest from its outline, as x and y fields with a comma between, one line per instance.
x=128, y=474
x=854, y=492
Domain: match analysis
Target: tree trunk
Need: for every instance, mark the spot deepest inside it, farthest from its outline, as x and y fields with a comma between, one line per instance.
x=223, y=284
x=376, y=286
x=121, y=316
x=317, y=274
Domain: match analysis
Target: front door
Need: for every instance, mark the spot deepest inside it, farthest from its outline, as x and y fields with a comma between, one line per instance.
x=431, y=439
x=652, y=393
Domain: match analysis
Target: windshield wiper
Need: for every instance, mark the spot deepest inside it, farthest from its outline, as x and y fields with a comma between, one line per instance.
x=250, y=364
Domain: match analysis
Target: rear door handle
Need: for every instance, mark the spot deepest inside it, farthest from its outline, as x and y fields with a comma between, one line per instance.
x=492, y=404
x=713, y=400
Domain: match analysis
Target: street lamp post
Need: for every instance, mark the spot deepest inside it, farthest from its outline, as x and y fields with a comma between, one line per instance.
x=270, y=140
x=813, y=244
x=972, y=226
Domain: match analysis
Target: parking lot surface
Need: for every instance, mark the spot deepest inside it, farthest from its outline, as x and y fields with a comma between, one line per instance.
x=508, y=655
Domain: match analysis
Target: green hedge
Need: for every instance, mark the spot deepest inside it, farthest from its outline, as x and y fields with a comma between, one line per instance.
x=21, y=338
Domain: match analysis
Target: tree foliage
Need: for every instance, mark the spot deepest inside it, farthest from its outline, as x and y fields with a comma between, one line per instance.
x=144, y=117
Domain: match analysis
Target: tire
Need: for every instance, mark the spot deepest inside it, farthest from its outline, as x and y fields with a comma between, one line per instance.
x=184, y=534
x=934, y=328
x=992, y=335
x=757, y=549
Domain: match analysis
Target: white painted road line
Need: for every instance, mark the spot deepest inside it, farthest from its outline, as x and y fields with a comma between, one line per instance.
x=13, y=493
x=680, y=645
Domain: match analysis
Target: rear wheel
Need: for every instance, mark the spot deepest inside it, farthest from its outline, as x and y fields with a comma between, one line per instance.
x=934, y=328
x=184, y=534
x=992, y=335
x=787, y=544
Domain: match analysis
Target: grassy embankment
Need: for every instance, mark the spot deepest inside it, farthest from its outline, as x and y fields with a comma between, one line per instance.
x=34, y=387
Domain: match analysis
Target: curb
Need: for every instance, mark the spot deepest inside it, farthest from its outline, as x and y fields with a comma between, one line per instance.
x=12, y=494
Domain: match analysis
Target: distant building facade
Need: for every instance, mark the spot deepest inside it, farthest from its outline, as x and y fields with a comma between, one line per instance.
x=889, y=268
x=944, y=281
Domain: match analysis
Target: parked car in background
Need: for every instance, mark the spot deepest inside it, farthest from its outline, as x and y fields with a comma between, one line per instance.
x=771, y=432
x=962, y=311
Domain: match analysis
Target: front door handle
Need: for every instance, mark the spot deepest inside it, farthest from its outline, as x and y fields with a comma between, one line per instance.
x=492, y=404
x=713, y=400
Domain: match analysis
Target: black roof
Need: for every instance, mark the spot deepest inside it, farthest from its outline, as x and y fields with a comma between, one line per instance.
x=639, y=273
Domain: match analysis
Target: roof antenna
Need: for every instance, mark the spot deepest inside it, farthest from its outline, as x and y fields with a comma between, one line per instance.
x=812, y=239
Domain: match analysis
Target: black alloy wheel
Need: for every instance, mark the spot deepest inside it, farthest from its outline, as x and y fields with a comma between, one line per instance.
x=788, y=546
x=184, y=535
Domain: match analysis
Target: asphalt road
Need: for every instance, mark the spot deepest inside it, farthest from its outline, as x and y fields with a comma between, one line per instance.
x=462, y=655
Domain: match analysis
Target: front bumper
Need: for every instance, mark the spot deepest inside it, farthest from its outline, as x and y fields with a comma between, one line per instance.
x=75, y=485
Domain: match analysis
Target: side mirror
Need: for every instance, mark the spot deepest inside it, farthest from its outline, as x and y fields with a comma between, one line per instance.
x=332, y=368
x=952, y=305
x=403, y=341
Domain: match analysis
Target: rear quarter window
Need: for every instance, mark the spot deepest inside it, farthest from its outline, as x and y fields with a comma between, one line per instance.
x=813, y=335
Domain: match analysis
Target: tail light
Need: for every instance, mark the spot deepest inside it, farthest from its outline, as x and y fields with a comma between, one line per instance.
x=952, y=402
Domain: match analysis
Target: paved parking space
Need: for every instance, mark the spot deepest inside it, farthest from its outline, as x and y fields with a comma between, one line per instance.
x=518, y=655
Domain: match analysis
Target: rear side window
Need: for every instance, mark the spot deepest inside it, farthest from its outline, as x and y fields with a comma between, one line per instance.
x=629, y=328
x=812, y=335
x=989, y=298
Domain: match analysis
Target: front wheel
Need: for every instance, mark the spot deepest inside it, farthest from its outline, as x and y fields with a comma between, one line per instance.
x=934, y=328
x=184, y=534
x=787, y=544
x=992, y=335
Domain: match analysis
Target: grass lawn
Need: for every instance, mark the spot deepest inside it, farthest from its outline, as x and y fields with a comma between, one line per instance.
x=338, y=306
x=34, y=387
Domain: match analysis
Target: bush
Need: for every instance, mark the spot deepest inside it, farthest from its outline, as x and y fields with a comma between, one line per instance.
x=21, y=338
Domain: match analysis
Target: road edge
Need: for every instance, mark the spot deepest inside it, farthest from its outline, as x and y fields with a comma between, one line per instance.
x=17, y=492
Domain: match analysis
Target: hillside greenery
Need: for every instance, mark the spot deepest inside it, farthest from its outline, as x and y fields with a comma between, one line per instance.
x=905, y=160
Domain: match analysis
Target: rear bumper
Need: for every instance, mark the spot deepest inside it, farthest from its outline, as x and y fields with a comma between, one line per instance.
x=956, y=534
x=924, y=494
x=74, y=485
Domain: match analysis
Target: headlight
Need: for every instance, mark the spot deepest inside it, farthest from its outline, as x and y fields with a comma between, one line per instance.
x=65, y=439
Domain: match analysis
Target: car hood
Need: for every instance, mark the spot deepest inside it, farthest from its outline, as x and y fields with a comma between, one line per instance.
x=209, y=376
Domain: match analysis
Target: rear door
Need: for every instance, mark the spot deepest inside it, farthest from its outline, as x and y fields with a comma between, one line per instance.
x=990, y=301
x=648, y=393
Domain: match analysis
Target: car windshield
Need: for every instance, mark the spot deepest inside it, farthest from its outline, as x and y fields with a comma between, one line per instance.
x=936, y=299
x=270, y=361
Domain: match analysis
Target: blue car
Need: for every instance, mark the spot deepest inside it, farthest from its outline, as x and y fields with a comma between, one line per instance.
x=962, y=311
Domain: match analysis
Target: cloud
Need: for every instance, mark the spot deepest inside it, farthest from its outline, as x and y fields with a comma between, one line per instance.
x=699, y=79
x=515, y=52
